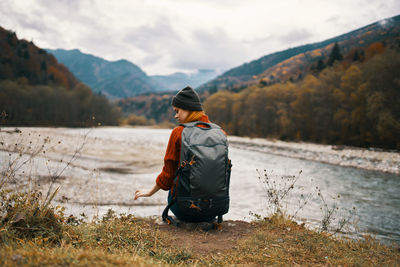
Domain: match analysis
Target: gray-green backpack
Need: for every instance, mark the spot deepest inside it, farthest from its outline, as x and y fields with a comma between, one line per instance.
x=201, y=185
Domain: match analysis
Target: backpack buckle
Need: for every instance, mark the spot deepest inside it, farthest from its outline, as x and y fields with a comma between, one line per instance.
x=192, y=161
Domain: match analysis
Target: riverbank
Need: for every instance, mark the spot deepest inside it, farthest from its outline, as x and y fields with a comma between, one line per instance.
x=129, y=241
x=100, y=168
x=368, y=159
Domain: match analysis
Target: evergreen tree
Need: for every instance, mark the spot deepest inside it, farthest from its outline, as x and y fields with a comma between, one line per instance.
x=320, y=65
x=356, y=56
x=335, y=55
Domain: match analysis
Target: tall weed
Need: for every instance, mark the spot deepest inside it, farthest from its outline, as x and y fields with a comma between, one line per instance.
x=278, y=190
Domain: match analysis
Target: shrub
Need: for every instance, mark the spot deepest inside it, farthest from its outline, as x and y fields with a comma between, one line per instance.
x=27, y=216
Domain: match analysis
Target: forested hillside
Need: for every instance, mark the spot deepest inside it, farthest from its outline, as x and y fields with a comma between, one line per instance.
x=36, y=90
x=348, y=103
x=296, y=62
x=153, y=106
x=22, y=59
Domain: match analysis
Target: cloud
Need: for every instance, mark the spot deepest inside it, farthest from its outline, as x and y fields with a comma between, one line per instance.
x=161, y=43
x=177, y=35
x=208, y=49
x=154, y=37
x=295, y=36
x=152, y=44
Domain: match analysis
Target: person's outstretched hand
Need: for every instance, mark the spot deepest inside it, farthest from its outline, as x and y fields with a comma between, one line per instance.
x=146, y=192
x=142, y=193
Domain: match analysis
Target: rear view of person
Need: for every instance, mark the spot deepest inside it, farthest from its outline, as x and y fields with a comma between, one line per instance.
x=196, y=166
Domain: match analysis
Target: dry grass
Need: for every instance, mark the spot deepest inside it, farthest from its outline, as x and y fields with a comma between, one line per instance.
x=279, y=241
x=128, y=241
x=30, y=255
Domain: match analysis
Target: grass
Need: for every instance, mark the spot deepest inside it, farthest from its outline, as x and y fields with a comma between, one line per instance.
x=125, y=240
x=279, y=241
x=67, y=241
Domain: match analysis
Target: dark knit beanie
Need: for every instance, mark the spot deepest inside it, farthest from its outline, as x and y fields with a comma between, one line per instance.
x=187, y=99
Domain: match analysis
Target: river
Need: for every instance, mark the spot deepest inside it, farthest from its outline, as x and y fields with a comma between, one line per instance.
x=117, y=161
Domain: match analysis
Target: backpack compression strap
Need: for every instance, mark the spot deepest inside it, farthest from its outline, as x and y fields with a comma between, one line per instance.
x=165, y=217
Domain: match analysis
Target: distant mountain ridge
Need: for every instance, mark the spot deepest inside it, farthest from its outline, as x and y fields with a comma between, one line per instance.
x=179, y=80
x=114, y=79
x=122, y=78
x=239, y=77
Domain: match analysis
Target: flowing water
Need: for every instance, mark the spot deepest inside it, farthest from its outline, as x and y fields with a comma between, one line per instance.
x=375, y=196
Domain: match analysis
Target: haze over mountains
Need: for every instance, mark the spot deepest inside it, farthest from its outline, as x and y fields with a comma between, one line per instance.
x=122, y=78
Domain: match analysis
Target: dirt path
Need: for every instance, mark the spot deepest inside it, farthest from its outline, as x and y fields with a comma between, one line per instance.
x=199, y=242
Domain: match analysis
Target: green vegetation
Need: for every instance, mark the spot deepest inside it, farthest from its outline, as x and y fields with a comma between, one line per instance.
x=352, y=104
x=335, y=55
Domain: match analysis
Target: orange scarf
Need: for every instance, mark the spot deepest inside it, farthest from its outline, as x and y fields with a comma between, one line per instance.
x=194, y=116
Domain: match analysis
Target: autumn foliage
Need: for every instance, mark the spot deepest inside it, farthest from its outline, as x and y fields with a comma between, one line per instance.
x=36, y=90
x=22, y=59
x=354, y=105
x=293, y=64
x=153, y=106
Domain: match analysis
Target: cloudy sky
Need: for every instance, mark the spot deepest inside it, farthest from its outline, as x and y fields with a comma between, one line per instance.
x=164, y=36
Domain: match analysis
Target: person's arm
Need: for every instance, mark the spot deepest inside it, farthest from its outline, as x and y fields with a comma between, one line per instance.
x=171, y=160
x=146, y=192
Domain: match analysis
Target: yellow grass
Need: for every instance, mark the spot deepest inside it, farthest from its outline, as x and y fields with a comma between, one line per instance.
x=128, y=241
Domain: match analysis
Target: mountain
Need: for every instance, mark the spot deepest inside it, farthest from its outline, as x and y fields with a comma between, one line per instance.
x=180, y=80
x=22, y=59
x=240, y=77
x=37, y=90
x=289, y=65
x=114, y=79
x=122, y=79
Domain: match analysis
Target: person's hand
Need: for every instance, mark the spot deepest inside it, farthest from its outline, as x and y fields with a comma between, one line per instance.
x=142, y=193
x=146, y=192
